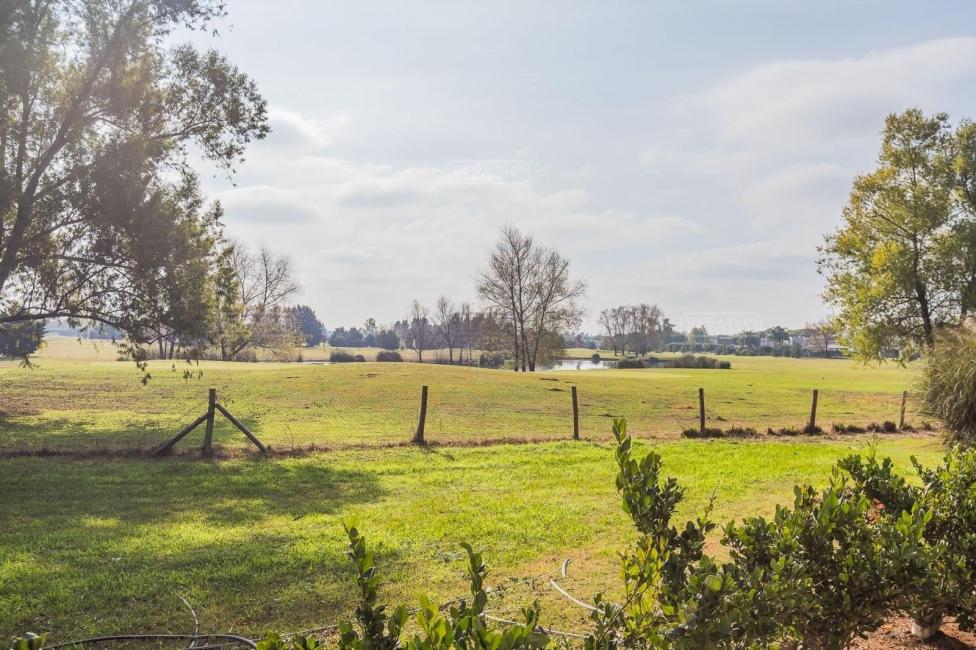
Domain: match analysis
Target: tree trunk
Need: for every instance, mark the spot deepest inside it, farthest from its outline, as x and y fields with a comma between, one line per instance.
x=923, y=308
x=515, y=350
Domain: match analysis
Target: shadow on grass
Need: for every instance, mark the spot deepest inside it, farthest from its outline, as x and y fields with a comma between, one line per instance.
x=25, y=435
x=107, y=546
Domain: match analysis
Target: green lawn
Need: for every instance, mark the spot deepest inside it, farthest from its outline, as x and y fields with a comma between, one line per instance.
x=109, y=545
x=77, y=404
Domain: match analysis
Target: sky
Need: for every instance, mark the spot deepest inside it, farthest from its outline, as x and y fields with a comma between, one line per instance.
x=690, y=154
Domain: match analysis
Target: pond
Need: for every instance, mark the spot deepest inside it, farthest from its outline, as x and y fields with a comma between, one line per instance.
x=581, y=364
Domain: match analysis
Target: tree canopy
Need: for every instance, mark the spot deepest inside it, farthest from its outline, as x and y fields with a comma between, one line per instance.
x=902, y=264
x=100, y=213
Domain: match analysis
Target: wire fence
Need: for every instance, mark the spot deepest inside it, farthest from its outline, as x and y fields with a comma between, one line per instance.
x=297, y=408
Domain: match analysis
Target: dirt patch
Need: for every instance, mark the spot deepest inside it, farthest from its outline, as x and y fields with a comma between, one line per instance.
x=896, y=634
x=11, y=407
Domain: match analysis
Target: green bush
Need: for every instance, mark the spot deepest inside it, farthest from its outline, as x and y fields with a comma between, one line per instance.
x=946, y=585
x=491, y=360
x=731, y=432
x=947, y=385
x=462, y=625
x=846, y=428
x=818, y=574
x=338, y=356
x=691, y=361
x=388, y=355
x=630, y=364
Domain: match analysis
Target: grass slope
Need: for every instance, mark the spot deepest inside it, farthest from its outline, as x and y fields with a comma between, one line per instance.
x=109, y=545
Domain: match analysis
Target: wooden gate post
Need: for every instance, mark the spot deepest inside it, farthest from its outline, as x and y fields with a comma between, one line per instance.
x=813, y=411
x=901, y=417
x=575, y=416
x=419, y=436
x=208, y=437
x=701, y=410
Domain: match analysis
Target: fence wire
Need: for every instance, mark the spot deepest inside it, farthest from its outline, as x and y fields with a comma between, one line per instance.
x=301, y=406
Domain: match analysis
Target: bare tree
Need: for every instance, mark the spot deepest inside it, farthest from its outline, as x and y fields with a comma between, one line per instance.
x=616, y=321
x=555, y=302
x=265, y=281
x=528, y=288
x=449, y=324
x=606, y=322
x=420, y=328
x=467, y=330
x=507, y=286
x=646, y=327
x=820, y=336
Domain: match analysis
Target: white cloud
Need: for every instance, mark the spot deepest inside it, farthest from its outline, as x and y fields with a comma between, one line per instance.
x=722, y=211
x=820, y=105
x=293, y=131
x=798, y=195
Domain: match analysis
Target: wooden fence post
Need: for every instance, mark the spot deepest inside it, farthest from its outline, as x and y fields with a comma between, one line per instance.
x=701, y=410
x=813, y=411
x=208, y=437
x=901, y=417
x=419, y=436
x=575, y=415
x=208, y=417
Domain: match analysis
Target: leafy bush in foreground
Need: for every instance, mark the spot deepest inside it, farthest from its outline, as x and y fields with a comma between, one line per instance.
x=947, y=584
x=462, y=625
x=817, y=574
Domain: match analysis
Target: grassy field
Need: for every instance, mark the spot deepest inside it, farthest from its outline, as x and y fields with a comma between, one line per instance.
x=68, y=402
x=91, y=543
x=109, y=545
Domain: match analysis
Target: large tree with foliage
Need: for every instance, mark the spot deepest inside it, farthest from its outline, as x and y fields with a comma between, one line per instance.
x=903, y=263
x=98, y=109
x=308, y=324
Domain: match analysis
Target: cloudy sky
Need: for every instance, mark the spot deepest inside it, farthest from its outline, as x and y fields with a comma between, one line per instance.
x=686, y=153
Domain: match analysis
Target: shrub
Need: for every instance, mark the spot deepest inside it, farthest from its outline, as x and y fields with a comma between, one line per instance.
x=463, y=625
x=846, y=428
x=691, y=361
x=595, y=358
x=707, y=433
x=338, y=356
x=491, y=360
x=630, y=364
x=944, y=586
x=947, y=386
x=818, y=574
x=845, y=571
x=388, y=355
x=885, y=427
x=731, y=432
